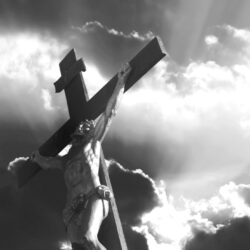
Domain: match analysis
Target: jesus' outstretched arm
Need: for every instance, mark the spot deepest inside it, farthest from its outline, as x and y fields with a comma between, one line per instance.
x=47, y=162
x=104, y=121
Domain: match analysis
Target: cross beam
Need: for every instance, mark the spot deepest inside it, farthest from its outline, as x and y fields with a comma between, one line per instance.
x=141, y=63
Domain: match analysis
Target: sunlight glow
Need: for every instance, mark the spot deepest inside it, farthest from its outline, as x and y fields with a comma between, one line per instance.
x=26, y=55
x=93, y=80
x=29, y=66
x=65, y=245
x=211, y=40
x=47, y=99
x=170, y=226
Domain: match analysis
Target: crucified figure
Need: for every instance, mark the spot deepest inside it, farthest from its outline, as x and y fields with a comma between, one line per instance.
x=87, y=200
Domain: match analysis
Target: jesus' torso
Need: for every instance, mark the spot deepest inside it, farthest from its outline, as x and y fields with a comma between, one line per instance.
x=80, y=176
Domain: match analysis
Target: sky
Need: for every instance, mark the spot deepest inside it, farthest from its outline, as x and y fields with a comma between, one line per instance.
x=179, y=144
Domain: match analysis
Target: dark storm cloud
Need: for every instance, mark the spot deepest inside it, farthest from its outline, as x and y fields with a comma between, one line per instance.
x=18, y=139
x=28, y=14
x=30, y=216
x=26, y=218
x=135, y=241
x=232, y=237
x=55, y=14
x=135, y=193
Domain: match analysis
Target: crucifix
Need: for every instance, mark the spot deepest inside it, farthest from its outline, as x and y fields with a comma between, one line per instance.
x=80, y=108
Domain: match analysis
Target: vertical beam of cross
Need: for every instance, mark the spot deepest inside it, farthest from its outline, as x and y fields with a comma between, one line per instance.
x=77, y=97
x=104, y=175
x=76, y=92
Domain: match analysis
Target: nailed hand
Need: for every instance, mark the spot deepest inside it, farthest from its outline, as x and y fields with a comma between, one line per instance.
x=124, y=71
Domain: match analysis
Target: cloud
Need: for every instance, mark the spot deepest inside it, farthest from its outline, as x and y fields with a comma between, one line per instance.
x=17, y=163
x=180, y=224
x=93, y=26
x=232, y=46
x=187, y=27
x=31, y=212
x=211, y=40
x=169, y=19
x=30, y=65
x=28, y=113
x=25, y=55
x=233, y=236
x=135, y=240
x=230, y=202
x=135, y=191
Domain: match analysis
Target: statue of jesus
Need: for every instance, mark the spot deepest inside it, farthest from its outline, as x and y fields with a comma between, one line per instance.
x=87, y=200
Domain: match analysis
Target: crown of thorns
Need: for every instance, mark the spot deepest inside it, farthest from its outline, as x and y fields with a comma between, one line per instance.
x=84, y=128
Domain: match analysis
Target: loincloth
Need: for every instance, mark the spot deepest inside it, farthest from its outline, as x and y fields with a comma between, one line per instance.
x=80, y=202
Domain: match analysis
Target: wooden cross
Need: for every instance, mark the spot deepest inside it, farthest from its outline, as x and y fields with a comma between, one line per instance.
x=81, y=108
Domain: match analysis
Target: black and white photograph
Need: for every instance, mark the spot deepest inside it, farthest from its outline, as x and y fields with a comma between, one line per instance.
x=125, y=125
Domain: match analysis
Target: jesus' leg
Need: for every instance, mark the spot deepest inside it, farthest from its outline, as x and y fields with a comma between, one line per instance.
x=91, y=218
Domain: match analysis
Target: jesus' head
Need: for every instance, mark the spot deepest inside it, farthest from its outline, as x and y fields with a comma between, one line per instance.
x=84, y=132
